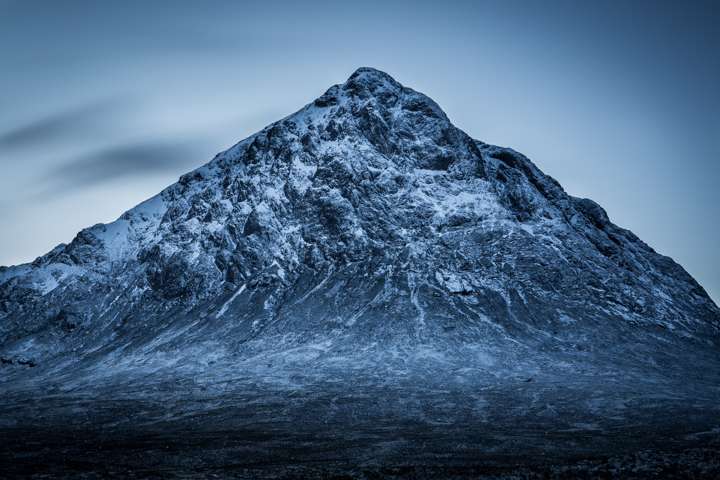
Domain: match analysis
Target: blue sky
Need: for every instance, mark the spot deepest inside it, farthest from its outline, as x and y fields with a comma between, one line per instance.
x=103, y=104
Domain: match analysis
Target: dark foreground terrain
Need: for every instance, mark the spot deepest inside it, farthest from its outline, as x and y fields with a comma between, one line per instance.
x=515, y=429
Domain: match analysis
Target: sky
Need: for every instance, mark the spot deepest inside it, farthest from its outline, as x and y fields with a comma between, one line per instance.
x=103, y=104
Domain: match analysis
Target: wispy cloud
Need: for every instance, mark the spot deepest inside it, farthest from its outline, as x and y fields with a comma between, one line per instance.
x=126, y=161
x=81, y=121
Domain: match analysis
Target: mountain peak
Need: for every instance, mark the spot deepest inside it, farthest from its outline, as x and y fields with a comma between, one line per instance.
x=395, y=120
x=369, y=86
x=371, y=72
x=372, y=79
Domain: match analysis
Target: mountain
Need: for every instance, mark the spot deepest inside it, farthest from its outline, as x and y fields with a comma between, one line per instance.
x=365, y=262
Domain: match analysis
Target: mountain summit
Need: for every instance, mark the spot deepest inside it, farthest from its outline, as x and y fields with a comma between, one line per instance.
x=367, y=241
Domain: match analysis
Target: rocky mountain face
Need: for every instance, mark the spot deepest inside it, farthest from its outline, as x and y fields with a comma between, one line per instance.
x=363, y=237
x=367, y=216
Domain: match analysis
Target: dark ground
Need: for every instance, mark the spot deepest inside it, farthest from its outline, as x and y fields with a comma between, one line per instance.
x=367, y=432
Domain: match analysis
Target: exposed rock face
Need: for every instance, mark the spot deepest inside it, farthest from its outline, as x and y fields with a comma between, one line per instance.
x=366, y=215
x=363, y=235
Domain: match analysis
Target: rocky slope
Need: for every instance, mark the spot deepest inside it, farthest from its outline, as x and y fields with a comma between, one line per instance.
x=365, y=239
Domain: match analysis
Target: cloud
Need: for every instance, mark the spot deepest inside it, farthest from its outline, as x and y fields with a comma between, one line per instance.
x=128, y=161
x=55, y=127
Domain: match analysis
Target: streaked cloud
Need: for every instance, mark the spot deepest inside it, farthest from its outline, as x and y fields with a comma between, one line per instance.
x=127, y=161
x=82, y=121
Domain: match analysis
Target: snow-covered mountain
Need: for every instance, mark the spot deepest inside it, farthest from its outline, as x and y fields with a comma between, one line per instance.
x=365, y=215
x=364, y=236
